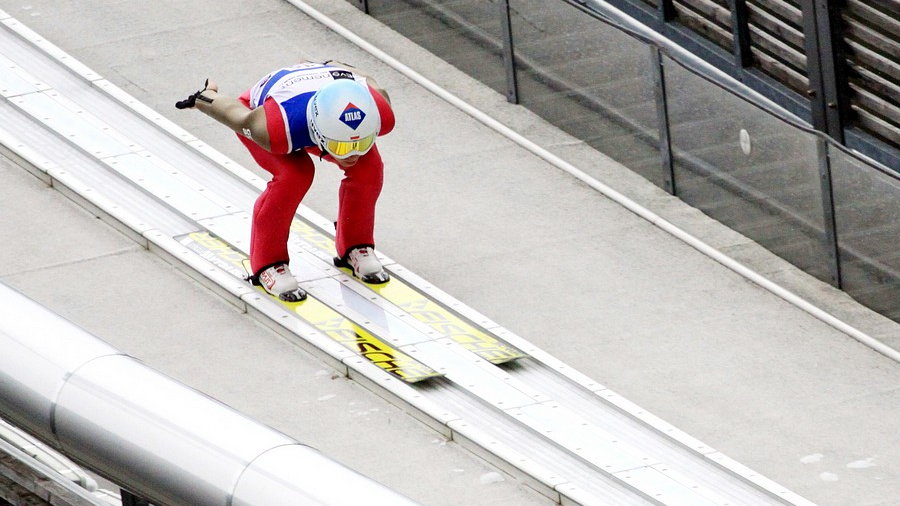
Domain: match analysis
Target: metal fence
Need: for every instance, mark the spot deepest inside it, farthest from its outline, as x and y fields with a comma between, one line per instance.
x=747, y=164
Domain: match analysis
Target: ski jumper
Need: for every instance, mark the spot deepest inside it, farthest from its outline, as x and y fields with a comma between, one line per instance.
x=285, y=95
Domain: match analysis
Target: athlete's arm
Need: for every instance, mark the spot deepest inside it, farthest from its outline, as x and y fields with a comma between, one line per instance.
x=375, y=86
x=250, y=123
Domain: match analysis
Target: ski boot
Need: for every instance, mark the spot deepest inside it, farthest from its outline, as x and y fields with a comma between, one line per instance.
x=365, y=265
x=278, y=281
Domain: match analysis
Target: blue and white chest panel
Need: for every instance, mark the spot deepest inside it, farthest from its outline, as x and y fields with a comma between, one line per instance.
x=292, y=88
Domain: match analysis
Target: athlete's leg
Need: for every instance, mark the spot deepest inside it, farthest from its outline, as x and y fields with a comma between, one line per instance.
x=292, y=175
x=358, y=194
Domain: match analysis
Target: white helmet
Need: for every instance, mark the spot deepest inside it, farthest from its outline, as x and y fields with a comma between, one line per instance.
x=343, y=118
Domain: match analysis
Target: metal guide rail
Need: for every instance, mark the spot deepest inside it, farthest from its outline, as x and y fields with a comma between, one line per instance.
x=564, y=434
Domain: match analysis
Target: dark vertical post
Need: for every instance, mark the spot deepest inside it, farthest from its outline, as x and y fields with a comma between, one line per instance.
x=509, y=55
x=363, y=5
x=662, y=115
x=666, y=10
x=740, y=29
x=816, y=91
x=828, y=94
x=129, y=499
x=826, y=66
x=829, y=222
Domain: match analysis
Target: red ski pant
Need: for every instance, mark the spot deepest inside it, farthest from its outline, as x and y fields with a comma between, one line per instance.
x=292, y=175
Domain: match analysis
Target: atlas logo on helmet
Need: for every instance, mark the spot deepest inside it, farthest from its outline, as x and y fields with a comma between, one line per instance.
x=352, y=116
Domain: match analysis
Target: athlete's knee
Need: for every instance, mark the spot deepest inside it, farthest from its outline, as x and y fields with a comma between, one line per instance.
x=296, y=178
x=369, y=172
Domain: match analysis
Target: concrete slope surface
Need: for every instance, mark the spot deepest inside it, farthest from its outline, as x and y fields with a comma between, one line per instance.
x=505, y=232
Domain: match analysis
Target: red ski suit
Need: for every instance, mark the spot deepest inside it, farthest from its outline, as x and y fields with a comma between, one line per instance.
x=292, y=168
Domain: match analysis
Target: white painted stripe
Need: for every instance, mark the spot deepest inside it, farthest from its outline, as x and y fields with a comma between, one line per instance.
x=15, y=81
x=662, y=488
x=121, y=96
x=169, y=185
x=593, y=444
x=74, y=124
x=47, y=47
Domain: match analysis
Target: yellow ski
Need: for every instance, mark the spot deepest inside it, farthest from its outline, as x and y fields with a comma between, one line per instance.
x=424, y=309
x=319, y=315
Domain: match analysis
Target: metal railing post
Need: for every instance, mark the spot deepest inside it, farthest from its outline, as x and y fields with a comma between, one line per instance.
x=129, y=499
x=740, y=28
x=825, y=66
x=666, y=10
x=828, y=94
x=829, y=221
x=509, y=57
x=662, y=120
x=363, y=5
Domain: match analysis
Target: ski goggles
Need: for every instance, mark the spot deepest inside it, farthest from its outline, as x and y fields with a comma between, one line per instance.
x=344, y=149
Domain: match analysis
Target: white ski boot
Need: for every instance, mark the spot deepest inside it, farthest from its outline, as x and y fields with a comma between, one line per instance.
x=278, y=281
x=365, y=265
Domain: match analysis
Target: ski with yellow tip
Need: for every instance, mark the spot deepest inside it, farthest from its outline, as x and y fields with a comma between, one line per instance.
x=424, y=309
x=313, y=311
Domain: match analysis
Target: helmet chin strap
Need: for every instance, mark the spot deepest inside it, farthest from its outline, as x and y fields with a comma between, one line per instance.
x=321, y=148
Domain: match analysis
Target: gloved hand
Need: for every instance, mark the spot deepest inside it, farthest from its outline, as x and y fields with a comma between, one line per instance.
x=191, y=101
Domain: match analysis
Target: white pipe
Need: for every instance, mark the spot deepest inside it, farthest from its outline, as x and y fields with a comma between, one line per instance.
x=149, y=433
x=597, y=185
